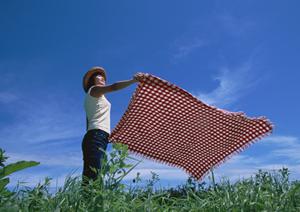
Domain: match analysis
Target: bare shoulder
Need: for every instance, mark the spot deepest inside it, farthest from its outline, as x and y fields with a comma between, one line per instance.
x=98, y=91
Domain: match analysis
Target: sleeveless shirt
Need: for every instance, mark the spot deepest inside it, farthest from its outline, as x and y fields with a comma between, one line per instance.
x=97, y=112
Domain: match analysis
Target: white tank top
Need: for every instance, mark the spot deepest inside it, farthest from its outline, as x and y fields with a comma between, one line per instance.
x=98, y=112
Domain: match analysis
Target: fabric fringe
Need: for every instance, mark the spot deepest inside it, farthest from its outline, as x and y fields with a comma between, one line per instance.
x=240, y=149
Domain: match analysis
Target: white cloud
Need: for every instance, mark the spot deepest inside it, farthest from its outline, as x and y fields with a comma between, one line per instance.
x=289, y=152
x=186, y=48
x=43, y=120
x=6, y=85
x=282, y=140
x=235, y=26
x=200, y=33
x=244, y=166
x=7, y=97
x=233, y=84
x=69, y=159
x=284, y=146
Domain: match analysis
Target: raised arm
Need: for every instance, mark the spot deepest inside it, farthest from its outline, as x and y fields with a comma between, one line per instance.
x=98, y=91
x=123, y=84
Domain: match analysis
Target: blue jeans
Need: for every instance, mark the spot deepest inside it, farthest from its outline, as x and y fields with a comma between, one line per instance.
x=94, y=140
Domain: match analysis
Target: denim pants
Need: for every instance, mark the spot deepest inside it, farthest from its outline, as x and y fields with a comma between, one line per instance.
x=94, y=140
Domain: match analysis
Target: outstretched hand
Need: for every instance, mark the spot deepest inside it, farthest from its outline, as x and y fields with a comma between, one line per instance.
x=137, y=76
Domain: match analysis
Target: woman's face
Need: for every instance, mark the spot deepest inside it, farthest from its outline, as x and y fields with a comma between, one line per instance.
x=99, y=80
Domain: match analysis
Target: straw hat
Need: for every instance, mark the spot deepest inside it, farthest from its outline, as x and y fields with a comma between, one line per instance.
x=89, y=73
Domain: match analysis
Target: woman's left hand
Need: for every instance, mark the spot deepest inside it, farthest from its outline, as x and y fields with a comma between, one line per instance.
x=137, y=76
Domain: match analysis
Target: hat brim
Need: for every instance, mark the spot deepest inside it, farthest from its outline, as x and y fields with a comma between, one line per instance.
x=89, y=73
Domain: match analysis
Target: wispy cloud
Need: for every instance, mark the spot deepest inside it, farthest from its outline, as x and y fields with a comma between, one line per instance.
x=6, y=83
x=285, y=146
x=235, y=26
x=279, y=151
x=204, y=32
x=7, y=97
x=38, y=121
x=68, y=159
x=45, y=128
x=184, y=48
x=233, y=84
x=282, y=140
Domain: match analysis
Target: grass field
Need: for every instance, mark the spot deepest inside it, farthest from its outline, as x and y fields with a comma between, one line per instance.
x=264, y=191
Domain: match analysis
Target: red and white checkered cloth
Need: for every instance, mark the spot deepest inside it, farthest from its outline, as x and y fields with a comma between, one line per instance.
x=167, y=124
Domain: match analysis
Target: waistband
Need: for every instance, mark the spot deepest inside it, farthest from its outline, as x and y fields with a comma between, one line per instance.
x=98, y=130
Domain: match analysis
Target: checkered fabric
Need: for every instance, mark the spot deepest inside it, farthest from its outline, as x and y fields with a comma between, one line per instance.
x=165, y=123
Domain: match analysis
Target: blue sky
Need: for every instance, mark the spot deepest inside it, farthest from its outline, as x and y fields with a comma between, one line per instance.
x=236, y=55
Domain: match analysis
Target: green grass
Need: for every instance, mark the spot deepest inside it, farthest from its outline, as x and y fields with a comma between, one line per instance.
x=264, y=191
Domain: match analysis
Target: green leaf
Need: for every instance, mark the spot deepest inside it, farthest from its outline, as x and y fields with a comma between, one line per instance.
x=3, y=183
x=113, y=169
x=13, y=167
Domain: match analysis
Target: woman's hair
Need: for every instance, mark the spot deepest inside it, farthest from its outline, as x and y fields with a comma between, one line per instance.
x=91, y=81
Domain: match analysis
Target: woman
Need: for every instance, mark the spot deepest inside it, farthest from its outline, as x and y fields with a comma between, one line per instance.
x=97, y=109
